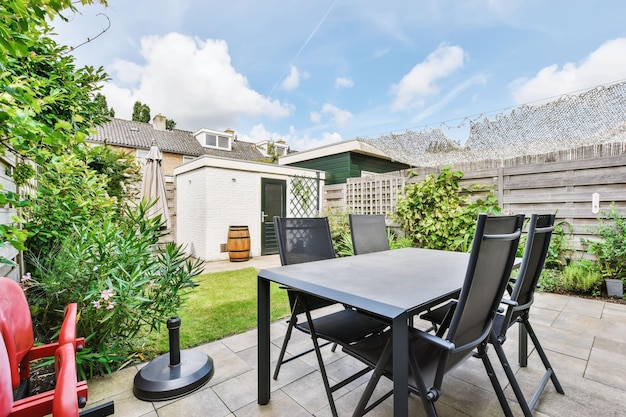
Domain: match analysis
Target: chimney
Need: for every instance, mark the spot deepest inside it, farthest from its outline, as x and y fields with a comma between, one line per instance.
x=158, y=122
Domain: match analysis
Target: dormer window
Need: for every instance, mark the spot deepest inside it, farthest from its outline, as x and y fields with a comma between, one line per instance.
x=279, y=148
x=214, y=139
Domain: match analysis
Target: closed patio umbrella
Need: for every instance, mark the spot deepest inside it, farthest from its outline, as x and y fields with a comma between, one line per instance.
x=153, y=185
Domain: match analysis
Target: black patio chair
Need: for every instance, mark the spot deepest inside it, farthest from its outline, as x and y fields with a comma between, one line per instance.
x=465, y=328
x=304, y=240
x=368, y=232
x=522, y=294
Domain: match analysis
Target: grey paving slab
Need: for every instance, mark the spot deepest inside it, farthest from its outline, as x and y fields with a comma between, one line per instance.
x=606, y=362
x=584, y=339
x=201, y=403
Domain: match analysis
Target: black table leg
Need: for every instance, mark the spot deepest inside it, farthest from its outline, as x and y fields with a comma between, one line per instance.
x=400, y=366
x=263, y=347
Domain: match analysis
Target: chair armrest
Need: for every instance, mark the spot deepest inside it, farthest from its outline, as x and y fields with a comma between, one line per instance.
x=66, y=401
x=67, y=334
x=432, y=339
x=509, y=302
x=44, y=351
x=68, y=328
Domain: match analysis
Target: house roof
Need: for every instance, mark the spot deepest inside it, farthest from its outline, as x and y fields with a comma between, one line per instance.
x=353, y=145
x=140, y=135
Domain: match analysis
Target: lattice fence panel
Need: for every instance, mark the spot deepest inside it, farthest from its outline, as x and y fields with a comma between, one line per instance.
x=375, y=194
x=304, y=197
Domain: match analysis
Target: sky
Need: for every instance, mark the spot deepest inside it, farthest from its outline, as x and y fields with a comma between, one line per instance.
x=316, y=72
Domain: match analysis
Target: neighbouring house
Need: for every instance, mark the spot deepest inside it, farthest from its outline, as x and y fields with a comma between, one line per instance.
x=343, y=160
x=215, y=181
x=213, y=194
x=177, y=146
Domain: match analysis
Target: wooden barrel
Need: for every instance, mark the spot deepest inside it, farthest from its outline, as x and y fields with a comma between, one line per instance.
x=238, y=243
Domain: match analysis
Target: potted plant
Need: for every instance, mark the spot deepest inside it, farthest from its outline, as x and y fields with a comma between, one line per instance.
x=610, y=250
x=614, y=287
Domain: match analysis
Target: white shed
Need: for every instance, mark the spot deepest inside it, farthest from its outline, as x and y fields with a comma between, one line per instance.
x=214, y=194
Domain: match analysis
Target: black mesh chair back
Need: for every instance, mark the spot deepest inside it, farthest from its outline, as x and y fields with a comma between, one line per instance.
x=467, y=324
x=540, y=228
x=304, y=239
x=491, y=261
x=369, y=233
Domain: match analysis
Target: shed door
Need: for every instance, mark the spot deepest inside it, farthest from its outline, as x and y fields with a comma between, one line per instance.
x=273, y=203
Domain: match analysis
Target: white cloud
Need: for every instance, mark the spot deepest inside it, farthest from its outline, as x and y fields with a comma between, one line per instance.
x=189, y=80
x=292, y=81
x=127, y=72
x=449, y=97
x=421, y=80
x=338, y=115
x=343, y=82
x=604, y=65
x=316, y=117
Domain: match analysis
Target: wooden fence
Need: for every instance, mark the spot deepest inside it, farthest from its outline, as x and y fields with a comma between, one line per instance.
x=563, y=183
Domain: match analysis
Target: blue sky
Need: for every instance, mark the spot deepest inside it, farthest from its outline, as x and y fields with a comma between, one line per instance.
x=317, y=72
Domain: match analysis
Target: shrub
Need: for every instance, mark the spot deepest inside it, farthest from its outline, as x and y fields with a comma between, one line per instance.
x=339, y=230
x=581, y=277
x=438, y=213
x=69, y=195
x=122, y=280
x=550, y=281
x=610, y=250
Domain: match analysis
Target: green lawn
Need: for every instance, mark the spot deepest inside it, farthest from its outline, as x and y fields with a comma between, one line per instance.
x=222, y=304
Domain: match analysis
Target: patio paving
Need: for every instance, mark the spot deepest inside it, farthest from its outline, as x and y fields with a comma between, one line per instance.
x=585, y=341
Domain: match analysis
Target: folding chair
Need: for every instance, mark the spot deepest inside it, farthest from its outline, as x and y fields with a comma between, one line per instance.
x=305, y=240
x=466, y=326
x=540, y=229
x=369, y=233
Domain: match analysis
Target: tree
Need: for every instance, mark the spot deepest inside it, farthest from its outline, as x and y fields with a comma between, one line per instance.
x=46, y=105
x=170, y=124
x=102, y=106
x=141, y=112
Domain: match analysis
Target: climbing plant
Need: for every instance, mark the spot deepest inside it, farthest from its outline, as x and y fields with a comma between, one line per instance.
x=438, y=213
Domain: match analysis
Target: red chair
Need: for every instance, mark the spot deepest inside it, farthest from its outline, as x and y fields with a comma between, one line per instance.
x=64, y=401
x=17, y=350
x=16, y=326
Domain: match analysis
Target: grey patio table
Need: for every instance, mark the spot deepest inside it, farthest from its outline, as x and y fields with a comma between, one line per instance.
x=394, y=285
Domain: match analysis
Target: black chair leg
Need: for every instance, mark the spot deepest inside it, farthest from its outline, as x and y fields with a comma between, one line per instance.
x=544, y=360
x=482, y=354
x=512, y=380
x=283, y=349
x=361, y=408
x=522, y=349
x=320, y=362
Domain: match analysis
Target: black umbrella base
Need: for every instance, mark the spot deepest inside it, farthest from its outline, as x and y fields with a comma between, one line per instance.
x=159, y=381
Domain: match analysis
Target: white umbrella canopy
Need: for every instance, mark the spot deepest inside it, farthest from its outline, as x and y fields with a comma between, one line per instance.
x=153, y=185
